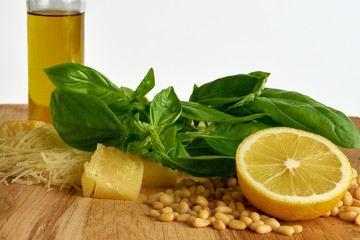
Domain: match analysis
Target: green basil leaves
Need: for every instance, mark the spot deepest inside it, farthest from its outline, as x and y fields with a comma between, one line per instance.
x=199, y=136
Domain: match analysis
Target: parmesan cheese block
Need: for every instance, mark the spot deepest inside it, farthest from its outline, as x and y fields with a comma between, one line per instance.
x=155, y=175
x=112, y=174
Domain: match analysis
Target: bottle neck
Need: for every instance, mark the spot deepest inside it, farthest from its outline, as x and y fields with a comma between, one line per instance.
x=64, y=5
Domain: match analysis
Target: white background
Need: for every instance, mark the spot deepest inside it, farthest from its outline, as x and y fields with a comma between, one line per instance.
x=312, y=47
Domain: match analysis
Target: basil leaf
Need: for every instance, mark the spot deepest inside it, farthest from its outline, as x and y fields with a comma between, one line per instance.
x=165, y=108
x=145, y=86
x=231, y=90
x=204, y=166
x=199, y=112
x=83, y=121
x=177, y=150
x=199, y=147
x=78, y=78
x=296, y=110
x=168, y=137
x=226, y=137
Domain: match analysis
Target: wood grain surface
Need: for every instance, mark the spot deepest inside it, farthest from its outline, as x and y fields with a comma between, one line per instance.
x=33, y=212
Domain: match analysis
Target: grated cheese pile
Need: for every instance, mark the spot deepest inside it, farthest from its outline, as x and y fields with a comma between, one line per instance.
x=40, y=156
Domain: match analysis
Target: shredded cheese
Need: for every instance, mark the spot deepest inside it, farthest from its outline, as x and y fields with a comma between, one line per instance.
x=40, y=156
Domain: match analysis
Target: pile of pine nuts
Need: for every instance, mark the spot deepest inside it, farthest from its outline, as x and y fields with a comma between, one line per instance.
x=216, y=202
x=219, y=202
x=348, y=209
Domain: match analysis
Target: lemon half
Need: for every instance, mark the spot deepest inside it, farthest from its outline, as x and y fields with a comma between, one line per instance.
x=292, y=174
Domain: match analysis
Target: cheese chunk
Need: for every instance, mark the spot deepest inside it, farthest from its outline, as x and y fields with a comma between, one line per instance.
x=155, y=175
x=112, y=174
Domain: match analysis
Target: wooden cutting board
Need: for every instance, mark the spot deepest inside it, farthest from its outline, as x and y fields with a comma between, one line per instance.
x=32, y=212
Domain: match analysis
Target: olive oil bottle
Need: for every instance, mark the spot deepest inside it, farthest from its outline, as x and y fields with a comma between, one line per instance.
x=54, y=36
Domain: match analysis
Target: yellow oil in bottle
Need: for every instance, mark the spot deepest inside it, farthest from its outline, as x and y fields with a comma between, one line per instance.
x=54, y=37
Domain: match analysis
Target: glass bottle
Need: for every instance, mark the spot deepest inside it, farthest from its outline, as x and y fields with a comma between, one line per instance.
x=55, y=35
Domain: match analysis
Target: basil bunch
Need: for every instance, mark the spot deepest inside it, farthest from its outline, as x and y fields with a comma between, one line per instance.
x=199, y=136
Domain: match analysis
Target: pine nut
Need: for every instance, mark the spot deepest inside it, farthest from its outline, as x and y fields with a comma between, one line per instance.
x=353, y=183
x=220, y=184
x=206, y=194
x=212, y=204
x=272, y=222
x=356, y=203
x=157, y=205
x=219, y=225
x=202, y=201
x=235, y=213
x=341, y=210
x=177, y=199
x=327, y=214
x=219, y=192
x=192, y=189
x=185, y=193
x=182, y=217
x=231, y=182
x=199, y=223
x=254, y=216
x=167, y=210
x=212, y=219
x=254, y=225
x=197, y=208
x=352, y=209
x=232, y=205
x=262, y=229
x=223, y=209
x=174, y=205
x=357, y=193
x=193, y=213
x=246, y=220
x=200, y=189
x=237, y=224
x=245, y=213
x=352, y=190
x=334, y=211
x=204, y=214
x=170, y=192
x=347, y=199
x=166, y=199
x=208, y=185
x=220, y=203
x=222, y=217
x=240, y=207
x=357, y=220
x=188, y=182
x=183, y=207
x=286, y=230
x=153, y=198
x=263, y=217
x=297, y=228
x=177, y=193
x=154, y=213
x=227, y=198
x=237, y=196
x=348, y=216
x=191, y=219
x=340, y=204
x=230, y=216
x=166, y=217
